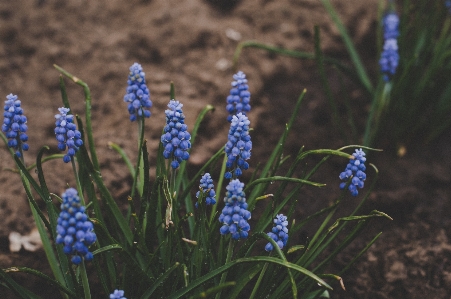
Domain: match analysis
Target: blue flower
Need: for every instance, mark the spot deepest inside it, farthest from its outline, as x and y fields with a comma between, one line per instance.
x=238, y=100
x=391, y=25
x=208, y=189
x=279, y=232
x=67, y=134
x=137, y=94
x=448, y=5
x=389, y=57
x=117, y=294
x=234, y=215
x=239, y=145
x=15, y=124
x=356, y=171
x=176, y=138
x=74, y=229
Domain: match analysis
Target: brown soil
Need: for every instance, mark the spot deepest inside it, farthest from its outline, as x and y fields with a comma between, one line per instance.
x=191, y=43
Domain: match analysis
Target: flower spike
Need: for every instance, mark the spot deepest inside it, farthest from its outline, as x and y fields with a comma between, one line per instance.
x=208, y=189
x=356, y=171
x=67, y=134
x=15, y=125
x=389, y=57
x=74, y=229
x=117, y=294
x=234, y=215
x=279, y=232
x=239, y=98
x=238, y=147
x=176, y=138
x=137, y=94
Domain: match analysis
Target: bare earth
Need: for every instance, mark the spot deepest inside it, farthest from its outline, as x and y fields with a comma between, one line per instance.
x=191, y=43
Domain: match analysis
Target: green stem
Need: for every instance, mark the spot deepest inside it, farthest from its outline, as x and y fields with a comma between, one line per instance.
x=218, y=189
x=77, y=180
x=228, y=259
x=259, y=280
x=84, y=280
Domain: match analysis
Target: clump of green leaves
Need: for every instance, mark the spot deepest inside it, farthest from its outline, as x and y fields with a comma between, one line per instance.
x=162, y=247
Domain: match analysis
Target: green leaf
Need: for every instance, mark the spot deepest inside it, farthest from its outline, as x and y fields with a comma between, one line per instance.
x=350, y=47
x=44, y=277
x=16, y=288
x=258, y=259
x=214, y=290
x=159, y=282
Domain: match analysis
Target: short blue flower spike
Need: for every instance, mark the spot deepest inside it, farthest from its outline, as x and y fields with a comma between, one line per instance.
x=74, y=229
x=238, y=147
x=389, y=57
x=15, y=124
x=356, y=171
x=117, y=294
x=137, y=94
x=234, y=215
x=176, y=138
x=67, y=134
x=279, y=232
x=239, y=98
x=206, y=186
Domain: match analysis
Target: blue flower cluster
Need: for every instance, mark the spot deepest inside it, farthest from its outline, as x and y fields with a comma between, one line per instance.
x=279, y=232
x=389, y=57
x=448, y=5
x=176, y=138
x=239, y=145
x=117, y=294
x=74, y=229
x=239, y=98
x=137, y=94
x=355, y=170
x=14, y=124
x=207, y=187
x=67, y=134
x=234, y=215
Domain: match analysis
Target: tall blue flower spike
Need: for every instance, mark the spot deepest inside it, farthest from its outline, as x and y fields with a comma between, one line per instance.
x=279, y=232
x=15, y=124
x=67, y=134
x=206, y=186
x=389, y=57
x=239, y=98
x=234, y=215
x=356, y=171
x=137, y=94
x=176, y=138
x=238, y=147
x=117, y=294
x=74, y=229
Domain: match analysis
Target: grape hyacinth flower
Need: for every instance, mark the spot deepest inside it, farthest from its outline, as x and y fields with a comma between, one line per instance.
x=137, y=94
x=355, y=170
x=239, y=98
x=67, y=134
x=389, y=57
x=207, y=188
x=15, y=125
x=239, y=145
x=117, y=294
x=74, y=229
x=279, y=232
x=176, y=138
x=234, y=215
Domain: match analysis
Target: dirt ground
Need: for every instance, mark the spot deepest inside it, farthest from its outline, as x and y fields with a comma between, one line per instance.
x=191, y=43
